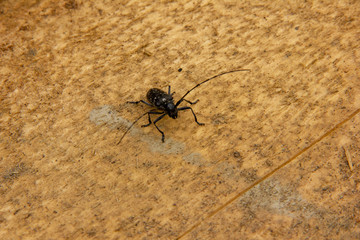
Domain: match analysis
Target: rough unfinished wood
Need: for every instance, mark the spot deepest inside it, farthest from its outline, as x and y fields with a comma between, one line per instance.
x=268, y=163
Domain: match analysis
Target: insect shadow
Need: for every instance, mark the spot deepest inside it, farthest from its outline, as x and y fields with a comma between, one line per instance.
x=163, y=104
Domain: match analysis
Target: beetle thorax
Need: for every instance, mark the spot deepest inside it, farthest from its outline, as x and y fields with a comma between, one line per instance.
x=171, y=110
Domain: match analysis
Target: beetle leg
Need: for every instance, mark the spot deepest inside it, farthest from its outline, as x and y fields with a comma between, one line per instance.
x=162, y=133
x=185, y=108
x=151, y=112
x=141, y=101
x=191, y=102
x=169, y=91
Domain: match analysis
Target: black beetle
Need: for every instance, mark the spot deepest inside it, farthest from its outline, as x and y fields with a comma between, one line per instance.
x=164, y=104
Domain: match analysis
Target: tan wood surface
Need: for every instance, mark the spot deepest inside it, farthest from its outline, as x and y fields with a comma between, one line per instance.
x=278, y=157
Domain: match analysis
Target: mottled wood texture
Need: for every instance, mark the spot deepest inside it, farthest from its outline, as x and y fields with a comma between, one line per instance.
x=268, y=164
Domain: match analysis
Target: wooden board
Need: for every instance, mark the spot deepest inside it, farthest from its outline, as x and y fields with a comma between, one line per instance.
x=278, y=156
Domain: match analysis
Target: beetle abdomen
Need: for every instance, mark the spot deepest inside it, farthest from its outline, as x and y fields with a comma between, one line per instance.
x=157, y=97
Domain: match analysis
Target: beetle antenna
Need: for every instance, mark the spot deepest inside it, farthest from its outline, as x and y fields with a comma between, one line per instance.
x=197, y=85
x=127, y=130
